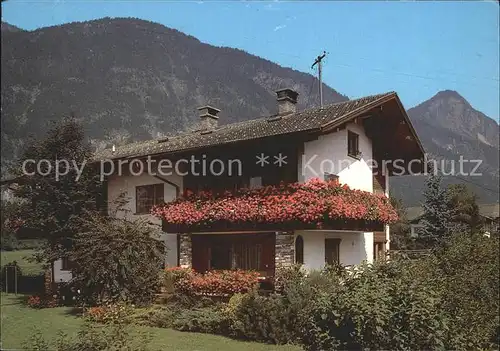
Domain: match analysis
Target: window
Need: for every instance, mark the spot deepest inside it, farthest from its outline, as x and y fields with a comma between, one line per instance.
x=415, y=230
x=246, y=256
x=332, y=251
x=330, y=176
x=299, y=250
x=147, y=196
x=378, y=250
x=255, y=182
x=243, y=254
x=67, y=264
x=353, y=145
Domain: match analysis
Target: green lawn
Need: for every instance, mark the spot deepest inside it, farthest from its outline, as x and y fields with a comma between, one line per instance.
x=28, y=268
x=18, y=322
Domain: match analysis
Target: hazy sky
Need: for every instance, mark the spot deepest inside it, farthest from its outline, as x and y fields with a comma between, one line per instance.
x=414, y=48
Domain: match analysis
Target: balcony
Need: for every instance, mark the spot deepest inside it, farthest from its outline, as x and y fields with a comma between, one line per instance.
x=313, y=205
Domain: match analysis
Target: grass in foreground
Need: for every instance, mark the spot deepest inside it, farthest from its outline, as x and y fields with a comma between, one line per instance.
x=21, y=256
x=19, y=322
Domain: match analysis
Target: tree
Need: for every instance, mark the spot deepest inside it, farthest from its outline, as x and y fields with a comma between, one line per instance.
x=9, y=224
x=438, y=214
x=52, y=205
x=466, y=216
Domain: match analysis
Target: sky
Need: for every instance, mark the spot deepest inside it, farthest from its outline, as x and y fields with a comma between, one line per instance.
x=413, y=48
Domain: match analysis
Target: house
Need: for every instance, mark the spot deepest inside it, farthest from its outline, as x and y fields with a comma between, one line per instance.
x=359, y=143
x=489, y=214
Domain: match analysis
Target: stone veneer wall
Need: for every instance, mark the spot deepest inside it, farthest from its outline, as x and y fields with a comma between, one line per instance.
x=185, y=251
x=285, y=249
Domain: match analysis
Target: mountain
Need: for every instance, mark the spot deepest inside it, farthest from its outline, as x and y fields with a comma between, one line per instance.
x=9, y=28
x=449, y=127
x=129, y=79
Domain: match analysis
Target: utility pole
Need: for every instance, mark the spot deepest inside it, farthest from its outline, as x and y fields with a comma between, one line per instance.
x=318, y=62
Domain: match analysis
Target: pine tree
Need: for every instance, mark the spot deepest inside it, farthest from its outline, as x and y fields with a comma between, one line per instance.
x=438, y=214
x=52, y=207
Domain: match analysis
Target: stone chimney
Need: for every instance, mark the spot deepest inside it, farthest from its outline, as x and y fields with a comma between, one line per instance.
x=208, y=115
x=287, y=101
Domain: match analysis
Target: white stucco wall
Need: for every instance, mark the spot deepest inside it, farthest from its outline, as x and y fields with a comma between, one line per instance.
x=126, y=184
x=61, y=276
x=355, y=247
x=329, y=154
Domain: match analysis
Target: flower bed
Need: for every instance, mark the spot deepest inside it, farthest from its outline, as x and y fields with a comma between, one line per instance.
x=312, y=205
x=35, y=301
x=212, y=283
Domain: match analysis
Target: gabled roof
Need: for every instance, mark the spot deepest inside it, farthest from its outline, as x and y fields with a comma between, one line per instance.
x=303, y=121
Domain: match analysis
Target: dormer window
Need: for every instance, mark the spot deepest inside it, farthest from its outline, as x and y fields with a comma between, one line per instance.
x=353, y=145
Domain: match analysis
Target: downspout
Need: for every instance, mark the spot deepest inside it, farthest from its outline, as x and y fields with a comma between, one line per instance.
x=177, y=193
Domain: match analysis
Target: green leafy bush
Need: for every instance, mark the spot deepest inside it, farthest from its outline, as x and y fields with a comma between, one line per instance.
x=203, y=320
x=279, y=318
x=95, y=337
x=117, y=260
x=155, y=316
x=470, y=269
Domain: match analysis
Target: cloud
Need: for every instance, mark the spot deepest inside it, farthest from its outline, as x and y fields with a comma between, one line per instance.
x=277, y=28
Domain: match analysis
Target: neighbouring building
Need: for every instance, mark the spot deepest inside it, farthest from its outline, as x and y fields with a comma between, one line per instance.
x=338, y=141
x=489, y=214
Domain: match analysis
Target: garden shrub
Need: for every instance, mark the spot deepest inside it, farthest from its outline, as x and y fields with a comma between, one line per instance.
x=44, y=301
x=91, y=336
x=155, y=316
x=172, y=276
x=111, y=313
x=271, y=319
x=217, y=283
x=392, y=307
x=285, y=276
x=117, y=260
x=471, y=288
x=203, y=320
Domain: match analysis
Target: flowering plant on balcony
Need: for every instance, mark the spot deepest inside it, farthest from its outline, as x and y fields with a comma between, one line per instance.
x=315, y=204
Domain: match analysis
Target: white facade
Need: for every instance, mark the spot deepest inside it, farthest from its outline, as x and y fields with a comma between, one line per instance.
x=355, y=247
x=328, y=154
x=126, y=184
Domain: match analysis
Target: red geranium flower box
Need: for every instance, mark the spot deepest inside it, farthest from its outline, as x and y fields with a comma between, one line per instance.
x=312, y=205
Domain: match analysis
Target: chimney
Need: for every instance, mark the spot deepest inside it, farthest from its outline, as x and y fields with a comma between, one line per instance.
x=208, y=115
x=287, y=101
